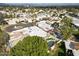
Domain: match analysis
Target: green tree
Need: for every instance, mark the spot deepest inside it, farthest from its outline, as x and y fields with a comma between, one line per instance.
x=67, y=29
x=59, y=50
x=30, y=46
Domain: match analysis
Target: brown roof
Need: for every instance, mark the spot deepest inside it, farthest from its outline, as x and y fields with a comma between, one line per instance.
x=76, y=46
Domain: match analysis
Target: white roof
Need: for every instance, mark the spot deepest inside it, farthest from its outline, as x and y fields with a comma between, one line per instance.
x=76, y=21
x=67, y=44
x=19, y=34
x=76, y=52
x=11, y=22
x=44, y=25
x=35, y=31
x=2, y=11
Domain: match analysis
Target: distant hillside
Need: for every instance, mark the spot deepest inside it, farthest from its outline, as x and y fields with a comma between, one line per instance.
x=41, y=4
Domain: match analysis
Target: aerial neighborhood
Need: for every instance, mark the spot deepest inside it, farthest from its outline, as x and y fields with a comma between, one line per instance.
x=57, y=27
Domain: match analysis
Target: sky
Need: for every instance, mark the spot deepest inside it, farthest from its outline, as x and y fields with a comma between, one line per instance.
x=39, y=1
x=41, y=4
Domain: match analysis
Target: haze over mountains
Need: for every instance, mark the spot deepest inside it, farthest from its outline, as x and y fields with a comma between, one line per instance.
x=41, y=4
